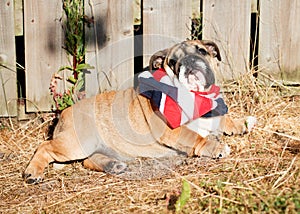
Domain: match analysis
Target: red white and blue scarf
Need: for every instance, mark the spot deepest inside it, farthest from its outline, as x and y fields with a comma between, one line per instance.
x=176, y=103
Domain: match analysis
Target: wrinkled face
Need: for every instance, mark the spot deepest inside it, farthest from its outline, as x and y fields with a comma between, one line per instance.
x=189, y=61
x=195, y=73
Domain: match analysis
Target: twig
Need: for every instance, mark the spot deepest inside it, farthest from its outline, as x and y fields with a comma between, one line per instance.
x=8, y=68
x=278, y=133
x=5, y=98
x=274, y=81
x=283, y=175
x=265, y=176
x=81, y=192
x=32, y=131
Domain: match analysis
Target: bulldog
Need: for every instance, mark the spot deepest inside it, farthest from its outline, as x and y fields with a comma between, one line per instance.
x=193, y=64
x=112, y=128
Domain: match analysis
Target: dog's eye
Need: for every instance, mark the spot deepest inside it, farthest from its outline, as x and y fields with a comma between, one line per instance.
x=220, y=156
x=202, y=51
x=172, y=63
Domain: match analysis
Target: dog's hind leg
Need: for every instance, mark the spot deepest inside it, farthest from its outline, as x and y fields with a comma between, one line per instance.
x=102, y=163
x=34, y=172
x=47, y=152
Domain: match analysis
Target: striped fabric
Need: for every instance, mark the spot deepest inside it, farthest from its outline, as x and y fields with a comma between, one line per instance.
x=176, y=102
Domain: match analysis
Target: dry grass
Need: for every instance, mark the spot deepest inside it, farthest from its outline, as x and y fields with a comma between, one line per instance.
x=261, y=176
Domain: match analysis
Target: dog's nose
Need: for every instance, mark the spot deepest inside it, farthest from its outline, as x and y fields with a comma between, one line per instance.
x=191, y=59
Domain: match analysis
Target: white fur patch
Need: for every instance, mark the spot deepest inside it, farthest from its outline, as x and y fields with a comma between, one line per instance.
x=201, y=64
x=227, y=151
x=169, y=72
x=145, y=74
x=250, y=123
x=195, y=82
x=205, y=126
x=58, y=166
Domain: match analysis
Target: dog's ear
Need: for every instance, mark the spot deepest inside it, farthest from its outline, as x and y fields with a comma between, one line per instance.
x=212, y=48
x=157, y=60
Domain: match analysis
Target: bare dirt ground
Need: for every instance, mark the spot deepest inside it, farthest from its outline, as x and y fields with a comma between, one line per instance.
x=262, y=175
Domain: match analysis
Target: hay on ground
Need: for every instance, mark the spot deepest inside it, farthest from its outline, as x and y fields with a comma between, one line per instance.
x=261, y=175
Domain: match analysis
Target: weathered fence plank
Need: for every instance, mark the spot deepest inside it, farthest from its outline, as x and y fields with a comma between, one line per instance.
x=279, y=39
x=8, y=82
x=43, y=50
x=165, y=23
x=109, y=43
x=228, y=24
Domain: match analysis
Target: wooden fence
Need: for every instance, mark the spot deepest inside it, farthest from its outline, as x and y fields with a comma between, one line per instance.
x=111, y=42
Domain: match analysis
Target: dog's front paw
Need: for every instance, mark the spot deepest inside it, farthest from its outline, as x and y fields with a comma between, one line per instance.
x=212, y=147
x=237, y=126
x=32, y=175
x=250, y=123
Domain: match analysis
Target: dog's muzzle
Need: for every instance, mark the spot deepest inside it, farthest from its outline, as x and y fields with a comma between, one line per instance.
x=195, y=72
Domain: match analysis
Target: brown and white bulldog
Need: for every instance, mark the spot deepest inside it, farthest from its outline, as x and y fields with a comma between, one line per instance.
x=193, y=64
x=114, y=127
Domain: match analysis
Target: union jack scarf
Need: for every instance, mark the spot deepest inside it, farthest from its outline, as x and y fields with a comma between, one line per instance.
x=175, y=102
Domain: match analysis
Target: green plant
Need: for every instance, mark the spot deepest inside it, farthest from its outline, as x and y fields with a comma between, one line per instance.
x=74, y=46
x=184, y=195
x=196, y=31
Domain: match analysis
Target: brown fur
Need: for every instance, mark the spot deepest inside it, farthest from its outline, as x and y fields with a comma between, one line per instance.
x=114, y=127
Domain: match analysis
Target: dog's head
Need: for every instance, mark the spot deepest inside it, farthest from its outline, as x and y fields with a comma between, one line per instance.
x=192, y=62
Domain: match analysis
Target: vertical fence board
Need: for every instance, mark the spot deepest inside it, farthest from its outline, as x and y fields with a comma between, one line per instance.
x=279, y=39
x=109, y=42
x=228, y=24
x=8, y=86
x=43, y=50
x=110, y=47
x=164, y=24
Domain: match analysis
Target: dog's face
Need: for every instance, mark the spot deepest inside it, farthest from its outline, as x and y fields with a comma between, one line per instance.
x=190, y=61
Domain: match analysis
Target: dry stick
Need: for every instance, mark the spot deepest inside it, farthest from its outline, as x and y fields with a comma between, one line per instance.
x=16, y=130
x=275, y=81
x=291, y=174
x=235, y=186
x=283, y=175
x=13, y=142
x=275, y=185
x=82, y=192
x=4, y=95
x=257, y=194
x=282, y=154
x=278, y=133
x=32, y=131
x=265, y=176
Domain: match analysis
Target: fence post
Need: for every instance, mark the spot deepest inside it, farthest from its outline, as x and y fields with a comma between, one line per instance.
x=165, y=23
x=109, y=45
x=8, y=86
x=279, y=40
x=228, y=24
x=44, y=51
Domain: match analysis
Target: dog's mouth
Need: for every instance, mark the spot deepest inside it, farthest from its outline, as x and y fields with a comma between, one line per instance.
x=195, y=80
x=195, y=73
